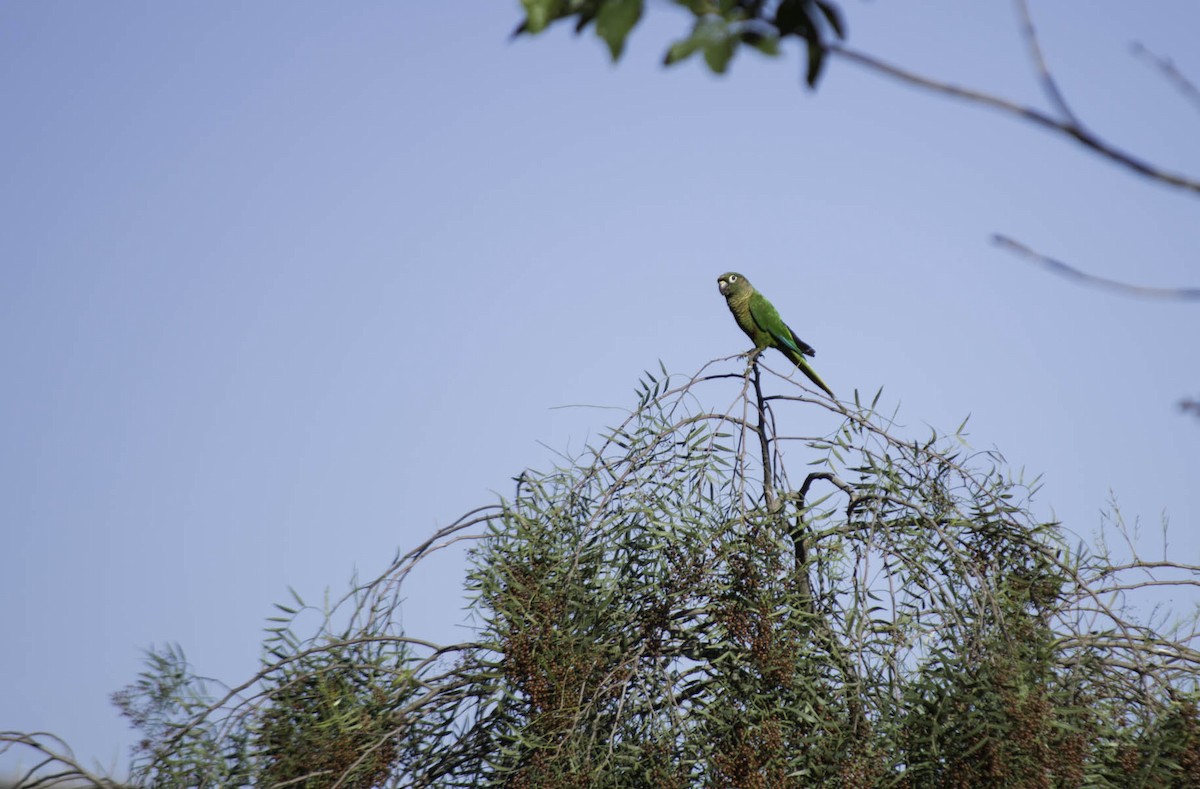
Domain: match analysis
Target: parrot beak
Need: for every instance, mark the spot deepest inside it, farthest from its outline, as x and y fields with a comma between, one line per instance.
x=721, y=285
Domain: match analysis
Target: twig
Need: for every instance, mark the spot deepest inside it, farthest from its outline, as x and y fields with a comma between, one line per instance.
x=55, y=752
x=1058, y=267
x=1049, y=86
x=764, y=443
x=1168, y=69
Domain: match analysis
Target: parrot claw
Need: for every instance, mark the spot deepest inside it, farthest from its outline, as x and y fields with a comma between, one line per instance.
x=751, y=357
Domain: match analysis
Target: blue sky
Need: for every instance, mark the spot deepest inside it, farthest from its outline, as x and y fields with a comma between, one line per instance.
x=284, y=286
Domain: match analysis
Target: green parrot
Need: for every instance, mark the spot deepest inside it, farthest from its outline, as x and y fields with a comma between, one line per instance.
x=762, y=324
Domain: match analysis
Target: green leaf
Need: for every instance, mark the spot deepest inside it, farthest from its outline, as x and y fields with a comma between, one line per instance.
x=681, y=50
x=833, y=16
x=792, y=19
x=540, y=13
x=718, y=53
x=766, y=43
x=615, y=20
x=711, y=34
x=816, y=61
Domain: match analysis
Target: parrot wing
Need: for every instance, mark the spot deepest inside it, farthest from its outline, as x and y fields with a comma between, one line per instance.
x=767, y=318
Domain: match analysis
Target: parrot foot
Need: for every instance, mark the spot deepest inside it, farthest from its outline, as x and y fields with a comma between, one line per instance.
x=752, y=355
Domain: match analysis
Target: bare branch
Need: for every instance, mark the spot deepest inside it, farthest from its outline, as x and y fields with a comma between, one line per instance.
x=54, y=753
x=1168, y=69
x=1058, y=267
x=1049, y=86
x=1037, y=117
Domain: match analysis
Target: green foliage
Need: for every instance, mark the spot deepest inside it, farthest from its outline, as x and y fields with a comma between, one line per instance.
x=675, y=608
x=323, y=712
x=719, y=27
x=166, y=693
x=329, y=722
x=995, y=712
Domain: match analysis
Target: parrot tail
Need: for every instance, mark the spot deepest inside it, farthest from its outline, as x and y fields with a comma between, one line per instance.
x=802, y=363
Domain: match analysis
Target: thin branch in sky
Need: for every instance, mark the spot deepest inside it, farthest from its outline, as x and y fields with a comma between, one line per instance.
x=1049, y=85
x=1035, y=116
x=1082, y=277
x=1167, y=67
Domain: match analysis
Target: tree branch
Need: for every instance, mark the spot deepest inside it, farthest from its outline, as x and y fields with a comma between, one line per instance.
x=1065, y=127
x=1168, y=70
x=1049, y=85
x=1070, y=272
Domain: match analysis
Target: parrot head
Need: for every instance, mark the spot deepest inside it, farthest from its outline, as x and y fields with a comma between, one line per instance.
x=731, y=284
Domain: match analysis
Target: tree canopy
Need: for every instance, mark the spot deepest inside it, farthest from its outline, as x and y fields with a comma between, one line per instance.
x=719, y=28
x=780, y=591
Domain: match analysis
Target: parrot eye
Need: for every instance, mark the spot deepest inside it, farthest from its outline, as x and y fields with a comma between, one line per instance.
x=733, y=277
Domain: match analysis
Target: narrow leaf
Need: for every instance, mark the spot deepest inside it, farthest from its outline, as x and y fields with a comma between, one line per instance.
x=833, y=16
x=816, y=61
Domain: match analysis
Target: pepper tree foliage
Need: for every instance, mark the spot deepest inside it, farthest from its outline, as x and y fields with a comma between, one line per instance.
x=719, y=28
x=773, y=591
